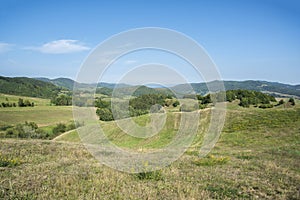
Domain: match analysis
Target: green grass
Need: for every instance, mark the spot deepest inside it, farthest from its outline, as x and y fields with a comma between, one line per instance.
x=72, y=136
x=42, y=115
x=15, y=99
x=257, y=157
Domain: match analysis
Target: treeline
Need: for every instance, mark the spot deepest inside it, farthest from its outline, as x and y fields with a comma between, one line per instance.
x=137, y=106
x=20, y=103
x=134, y=91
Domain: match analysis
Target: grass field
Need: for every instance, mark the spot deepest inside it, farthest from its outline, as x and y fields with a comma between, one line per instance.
x=14, y=98
x=42, y=113
x=256, y=157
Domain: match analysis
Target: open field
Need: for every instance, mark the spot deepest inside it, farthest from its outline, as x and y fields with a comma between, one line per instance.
x=257, y=157
x=42, y=113
x=14, y=98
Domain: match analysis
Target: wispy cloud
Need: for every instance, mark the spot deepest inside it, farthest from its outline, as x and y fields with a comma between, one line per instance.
x=130, y=62
x=4, y=47
x=60, y=47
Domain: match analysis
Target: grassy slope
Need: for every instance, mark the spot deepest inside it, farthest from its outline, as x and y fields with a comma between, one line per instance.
x=260, y=147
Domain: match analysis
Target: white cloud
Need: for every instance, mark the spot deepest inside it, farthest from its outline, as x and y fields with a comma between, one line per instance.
x=61, y=47
x=4, y=47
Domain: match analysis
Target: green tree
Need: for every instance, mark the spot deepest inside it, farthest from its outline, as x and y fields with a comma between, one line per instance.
x=21, y=103
x=292, y=101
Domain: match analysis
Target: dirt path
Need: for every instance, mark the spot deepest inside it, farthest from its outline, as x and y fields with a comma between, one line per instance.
x=54, y=139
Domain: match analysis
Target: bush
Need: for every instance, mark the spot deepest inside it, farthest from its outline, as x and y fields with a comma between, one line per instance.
x=153, y=175
x=105, y=114
x=8, y=162
x=59, y=128
x=176, y=103
x=292, y=101
x=281, y=102
x=27, y=130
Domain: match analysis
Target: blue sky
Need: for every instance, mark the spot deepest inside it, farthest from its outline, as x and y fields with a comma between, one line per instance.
x=247, y=39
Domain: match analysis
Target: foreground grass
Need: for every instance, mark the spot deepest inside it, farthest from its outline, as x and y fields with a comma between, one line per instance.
x=257, y=157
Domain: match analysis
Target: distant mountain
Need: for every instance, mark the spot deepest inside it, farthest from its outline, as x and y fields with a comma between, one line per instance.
x=45, y=88
x=277, y=89
x=24, y=86
x=65, y=83
x=113, y=85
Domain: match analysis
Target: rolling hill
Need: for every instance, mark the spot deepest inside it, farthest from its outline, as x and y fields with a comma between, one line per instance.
x=45, y=87
x=274, y=88
x=24, y=86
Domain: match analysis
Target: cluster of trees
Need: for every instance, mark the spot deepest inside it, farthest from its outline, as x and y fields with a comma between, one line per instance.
x=62, y=100
x=21, y=103
x=137, y=106
x=248, y=98
x=31, y=130
x=203, y=102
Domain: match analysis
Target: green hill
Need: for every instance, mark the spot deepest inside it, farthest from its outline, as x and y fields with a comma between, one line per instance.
x=277, y=89
x=24, y=86
x=65, y=83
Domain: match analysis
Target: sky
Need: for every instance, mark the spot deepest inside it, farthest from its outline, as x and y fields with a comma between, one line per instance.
x=246, y=39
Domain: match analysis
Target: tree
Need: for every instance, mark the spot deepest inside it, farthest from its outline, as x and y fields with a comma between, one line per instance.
x=292, y=101
x=21, y=103
x=27, y=103
x=62, y=100
x=105, y=114
x=176, y=103
x=281, y=102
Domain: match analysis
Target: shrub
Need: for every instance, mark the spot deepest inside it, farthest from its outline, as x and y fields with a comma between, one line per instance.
x=292, y=101
x=153, y=175
x=8, y=162
x=176, y=103
x=59, y=128
x=281, y=102
x=105, y=114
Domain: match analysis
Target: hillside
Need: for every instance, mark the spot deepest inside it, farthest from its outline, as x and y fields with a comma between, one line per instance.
x=256, y=157
x=44, y=87
x=24, y=86
x=65, y=83
x=278, y=89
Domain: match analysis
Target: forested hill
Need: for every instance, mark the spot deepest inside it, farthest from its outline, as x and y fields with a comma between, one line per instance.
x=274, y=88
x=46, y=88
x=27, y=87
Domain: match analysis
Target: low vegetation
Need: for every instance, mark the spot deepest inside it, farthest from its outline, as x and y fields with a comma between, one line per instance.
x=30, y=130
x=256, y=157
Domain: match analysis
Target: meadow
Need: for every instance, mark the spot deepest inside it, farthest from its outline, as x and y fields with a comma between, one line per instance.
x=256, y=157
x=43, y=113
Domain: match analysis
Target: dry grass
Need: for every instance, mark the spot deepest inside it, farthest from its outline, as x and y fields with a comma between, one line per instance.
x=257, y=157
